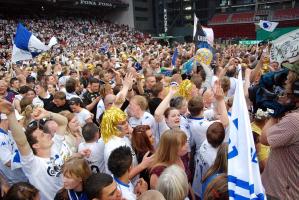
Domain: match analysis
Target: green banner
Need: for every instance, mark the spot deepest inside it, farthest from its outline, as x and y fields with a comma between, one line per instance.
x=265, y=35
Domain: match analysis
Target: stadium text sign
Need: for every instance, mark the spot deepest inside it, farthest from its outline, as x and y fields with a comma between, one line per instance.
x=286, y=47
x=165, y=21
x=95, y=3
x=249, y=42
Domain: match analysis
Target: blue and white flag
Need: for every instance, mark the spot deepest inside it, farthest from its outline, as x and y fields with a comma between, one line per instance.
x=244, y=180
x=26, y=46
x=174, y=56
x=104, y=48
x=188, y=66
x=267, y=25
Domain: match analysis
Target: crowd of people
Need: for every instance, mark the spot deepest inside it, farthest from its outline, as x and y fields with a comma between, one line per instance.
x=109, y=114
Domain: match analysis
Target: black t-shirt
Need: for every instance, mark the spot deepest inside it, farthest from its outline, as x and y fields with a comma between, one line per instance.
x=88, y=98
x=53, y=108
x=47, y=101
x=153, y=104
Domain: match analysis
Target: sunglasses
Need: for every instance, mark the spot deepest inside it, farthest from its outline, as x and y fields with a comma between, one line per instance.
x=37, y=124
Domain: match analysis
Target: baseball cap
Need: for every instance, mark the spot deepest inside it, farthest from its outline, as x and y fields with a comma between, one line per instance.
x=292, y=66
x=18, y=116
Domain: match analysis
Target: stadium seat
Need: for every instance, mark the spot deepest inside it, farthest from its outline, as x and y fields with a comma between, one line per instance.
x=221, y=18
x=242, y=17
x=286, y=13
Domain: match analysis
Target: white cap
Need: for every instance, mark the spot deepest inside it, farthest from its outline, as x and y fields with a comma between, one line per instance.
x=18, y=116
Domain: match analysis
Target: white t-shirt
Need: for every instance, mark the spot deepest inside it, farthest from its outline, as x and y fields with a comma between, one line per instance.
x=9, y=153
x=37, y=102
x=96, y=158
x=113, y=143
x=204, y=160
x=198, y=131
x=162, y=126
x=127, y=190
x=208, y=153
x=44, y=174
x=82, y=116
x=100, y=108
x=232, y=88
x=146, y=119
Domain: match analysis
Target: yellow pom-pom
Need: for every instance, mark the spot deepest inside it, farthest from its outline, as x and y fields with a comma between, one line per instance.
x=185, y=89
x=109, y=123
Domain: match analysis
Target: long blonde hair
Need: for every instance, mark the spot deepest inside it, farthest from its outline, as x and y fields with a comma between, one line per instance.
x=170, y=143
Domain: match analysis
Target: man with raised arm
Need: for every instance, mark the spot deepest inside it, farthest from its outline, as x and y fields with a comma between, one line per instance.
x=42, y=170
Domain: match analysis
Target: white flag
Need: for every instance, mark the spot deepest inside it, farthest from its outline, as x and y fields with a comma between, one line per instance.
x=244, y=180
x=26, y=46
x=286, y=47
x=267, y=25
x=209, y=34
x=195, y=25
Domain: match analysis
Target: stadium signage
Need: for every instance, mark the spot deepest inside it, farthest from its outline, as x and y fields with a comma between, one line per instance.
x=165, y=21
x=249, y=42
x=95, y=3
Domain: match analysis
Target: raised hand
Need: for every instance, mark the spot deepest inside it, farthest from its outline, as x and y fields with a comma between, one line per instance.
x=173, y=90
x=128, y=80
x=147, y=160
x=39, y=113
x=218, y=91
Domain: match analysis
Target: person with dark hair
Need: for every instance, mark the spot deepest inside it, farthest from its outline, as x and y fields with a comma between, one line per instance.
x=14, y=85
x=43, y=98
x=169, y=117
x=207, y=153
x=91, y=135
x=92, y=96
x=154, y=102
x=30, y=81
x=101, y=186
x=199, y=126
x=59, y=103
x=22, y=191
x=70, y=88
x=280, y=176
x=35, y=147
x=120, y=163
x=82, y=114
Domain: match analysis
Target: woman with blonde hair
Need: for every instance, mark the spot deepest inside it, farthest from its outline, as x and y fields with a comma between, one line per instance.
x=172, y=148
x=75, y=172
x=173, y=183
x=73, y=136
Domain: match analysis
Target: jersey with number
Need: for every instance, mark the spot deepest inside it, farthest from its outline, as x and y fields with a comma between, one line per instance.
x=96, y=158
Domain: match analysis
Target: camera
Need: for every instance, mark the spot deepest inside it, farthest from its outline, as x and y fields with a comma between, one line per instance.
x=265, y=94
